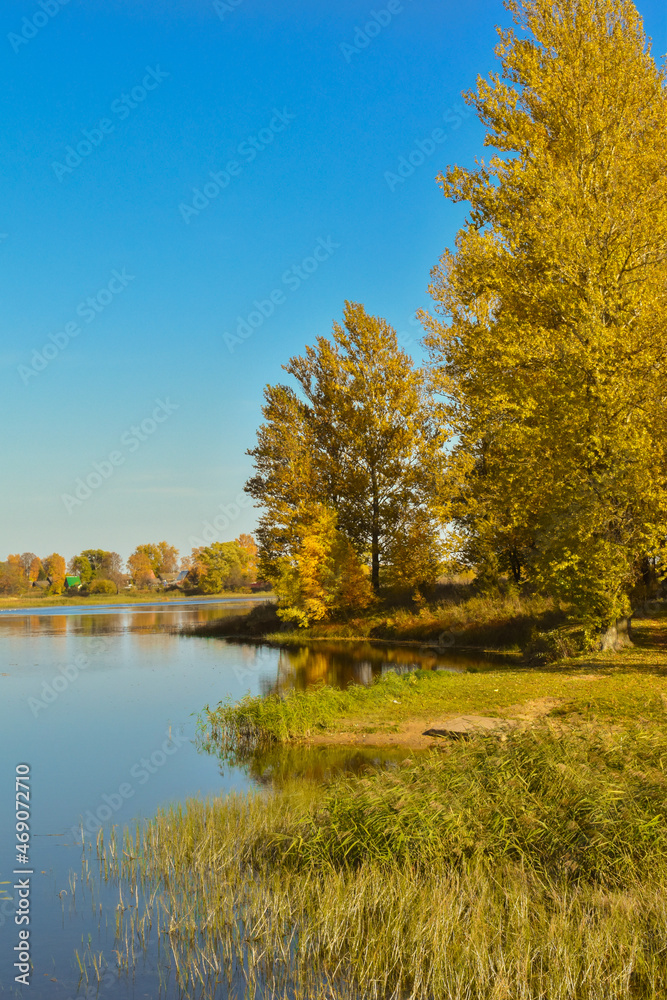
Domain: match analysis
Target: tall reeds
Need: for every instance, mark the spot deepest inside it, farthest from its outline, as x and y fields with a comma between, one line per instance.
x=530, y=868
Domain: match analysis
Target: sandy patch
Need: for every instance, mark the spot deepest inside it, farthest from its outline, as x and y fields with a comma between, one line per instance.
x=424, y=731
x=537, y=708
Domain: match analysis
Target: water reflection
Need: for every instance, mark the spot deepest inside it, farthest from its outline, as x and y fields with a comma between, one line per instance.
x=278, y=766
x=84, y=741
x=85, y=699
x=343, y=663
x=339, y=664
x=140, y=618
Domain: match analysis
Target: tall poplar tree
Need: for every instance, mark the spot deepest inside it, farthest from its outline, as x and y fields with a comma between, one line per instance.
x=357, y=438
x=549, y=340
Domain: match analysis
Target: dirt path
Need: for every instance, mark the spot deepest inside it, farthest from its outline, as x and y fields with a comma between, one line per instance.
x=422, y=732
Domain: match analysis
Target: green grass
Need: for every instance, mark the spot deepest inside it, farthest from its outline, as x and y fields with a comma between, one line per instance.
x=528, y=866
x=534, y=867
x=584, y=805
x=28, y=602
x=600, y=688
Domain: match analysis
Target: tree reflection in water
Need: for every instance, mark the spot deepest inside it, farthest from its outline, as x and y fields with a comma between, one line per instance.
x=343, y=663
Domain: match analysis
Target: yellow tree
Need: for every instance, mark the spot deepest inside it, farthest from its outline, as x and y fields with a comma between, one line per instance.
x=305, y=583
x=35, y=567
x=249, y=554
x=15, y=560
x=358, y=439
x=322, y=574
x=416, y=554
x=284, y=482
x=141, y=568
x=548, y=343
x=353, y=591
x=163, y=558
x=55, y=568
x=12, y=580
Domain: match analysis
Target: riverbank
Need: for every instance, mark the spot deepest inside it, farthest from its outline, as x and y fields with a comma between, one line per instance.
x=597, y=689
x=28, y=604
x=533, y=626
x=487, y=870
x=525, y=860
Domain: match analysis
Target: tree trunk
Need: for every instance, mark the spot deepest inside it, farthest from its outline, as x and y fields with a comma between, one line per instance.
x=375, y=570
x=375, y=538
x=617, y=636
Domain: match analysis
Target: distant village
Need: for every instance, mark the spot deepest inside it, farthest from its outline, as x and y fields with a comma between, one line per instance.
x=152, y=566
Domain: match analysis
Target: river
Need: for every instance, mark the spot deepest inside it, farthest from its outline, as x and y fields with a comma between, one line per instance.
x=101, y=705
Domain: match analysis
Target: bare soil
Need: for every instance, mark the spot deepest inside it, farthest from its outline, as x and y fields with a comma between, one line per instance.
x=422, y=732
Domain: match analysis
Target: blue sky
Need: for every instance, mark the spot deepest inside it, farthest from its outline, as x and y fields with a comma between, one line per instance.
x=190, y=192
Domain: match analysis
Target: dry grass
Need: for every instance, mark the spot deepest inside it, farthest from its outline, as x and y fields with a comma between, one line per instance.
x=460, y=618
x=528, y=867
x=534, y=868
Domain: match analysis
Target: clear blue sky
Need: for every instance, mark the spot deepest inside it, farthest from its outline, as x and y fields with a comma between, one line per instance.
x=301, y=118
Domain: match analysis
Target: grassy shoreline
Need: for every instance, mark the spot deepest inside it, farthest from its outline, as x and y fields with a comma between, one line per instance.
x=530, y=864
x=600, y=689
x=21, y=603
x=459, y=619
x=488, y=870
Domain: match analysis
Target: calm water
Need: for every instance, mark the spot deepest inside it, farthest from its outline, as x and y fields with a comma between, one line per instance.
x=102, y=706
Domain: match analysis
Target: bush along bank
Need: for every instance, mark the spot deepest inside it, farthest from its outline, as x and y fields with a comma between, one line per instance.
x=535, y=625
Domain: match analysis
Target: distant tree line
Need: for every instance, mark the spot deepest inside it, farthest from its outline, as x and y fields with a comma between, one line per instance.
x=209, y=569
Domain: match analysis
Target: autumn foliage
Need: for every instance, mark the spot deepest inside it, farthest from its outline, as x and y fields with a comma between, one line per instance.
x=346, y=467
x=221, y=566
x=533, y=439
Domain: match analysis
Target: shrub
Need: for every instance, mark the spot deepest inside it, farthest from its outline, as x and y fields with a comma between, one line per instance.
x=102, y=587
x=548, y=647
